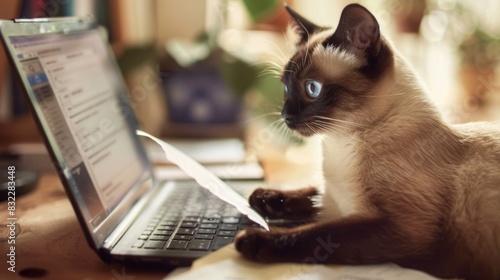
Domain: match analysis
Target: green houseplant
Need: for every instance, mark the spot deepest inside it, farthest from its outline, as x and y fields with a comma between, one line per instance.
x=480, y=55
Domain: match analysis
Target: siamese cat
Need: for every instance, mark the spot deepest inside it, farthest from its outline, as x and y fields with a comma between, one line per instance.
x=401, y=185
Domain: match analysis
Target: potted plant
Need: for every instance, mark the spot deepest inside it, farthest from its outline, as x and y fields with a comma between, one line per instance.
x=480, y=55
x=205, y=85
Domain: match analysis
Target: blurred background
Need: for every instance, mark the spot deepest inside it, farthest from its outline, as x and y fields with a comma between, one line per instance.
x=207, y=68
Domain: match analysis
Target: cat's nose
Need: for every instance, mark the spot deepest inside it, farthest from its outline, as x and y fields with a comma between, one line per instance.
x=289, y=119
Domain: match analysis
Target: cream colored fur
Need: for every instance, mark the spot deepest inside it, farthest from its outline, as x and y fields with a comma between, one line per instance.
x=418, y=163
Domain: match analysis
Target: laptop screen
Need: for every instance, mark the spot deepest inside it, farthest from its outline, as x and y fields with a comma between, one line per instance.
x=79, y=93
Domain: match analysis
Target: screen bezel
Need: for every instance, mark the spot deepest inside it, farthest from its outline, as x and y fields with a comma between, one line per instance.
x=65, y=26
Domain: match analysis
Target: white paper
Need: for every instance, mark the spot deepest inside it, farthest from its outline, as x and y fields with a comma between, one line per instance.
x=206, y=152
x=233, y=171
x=207, y=179
x=227, y=264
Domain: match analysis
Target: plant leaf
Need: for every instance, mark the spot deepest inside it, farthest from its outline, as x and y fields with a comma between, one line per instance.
x=259, y=9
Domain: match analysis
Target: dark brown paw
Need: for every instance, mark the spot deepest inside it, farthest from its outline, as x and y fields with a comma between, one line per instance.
x=248, y=243
x=269, y=203
x=277, y=245
x=275, y=204
x=259, y=245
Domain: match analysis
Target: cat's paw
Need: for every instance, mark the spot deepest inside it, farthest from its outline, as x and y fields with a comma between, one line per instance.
x=276, y=204
x=257, y=245
x=269, y=203
x=248, y=242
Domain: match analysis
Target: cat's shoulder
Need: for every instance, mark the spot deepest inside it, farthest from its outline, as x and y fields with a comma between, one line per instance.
x=479, y=129
x=480, y=141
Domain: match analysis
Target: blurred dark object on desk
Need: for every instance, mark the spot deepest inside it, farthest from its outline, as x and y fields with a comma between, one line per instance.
x=27, y=157
x=17, y=184
x=20, y=165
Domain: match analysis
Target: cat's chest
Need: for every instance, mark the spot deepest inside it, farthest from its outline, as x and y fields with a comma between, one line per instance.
x=341, y=159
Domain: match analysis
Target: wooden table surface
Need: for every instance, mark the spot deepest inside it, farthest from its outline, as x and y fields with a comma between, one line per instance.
x=50, y=243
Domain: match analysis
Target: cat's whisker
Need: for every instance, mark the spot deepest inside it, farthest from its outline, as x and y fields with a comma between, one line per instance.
x=360, y=125
x=261, y=116
x=274, y=64
x=281, y=56
x=283, y=132
x=310, y=128
x=271, y=70
x=291, y=47
x=268, y=72
x=289, y=71
x=293, y=61
x=332, y=128
x=280, y=129
x=275, y=125
x=284, y=135
x=330, y=124
x=267, y=63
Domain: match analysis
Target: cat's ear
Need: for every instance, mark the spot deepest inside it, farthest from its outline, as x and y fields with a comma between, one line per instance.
x=358, y=32
x=304, y=27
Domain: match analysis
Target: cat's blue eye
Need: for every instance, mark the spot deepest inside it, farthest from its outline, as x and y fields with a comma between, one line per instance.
x=313, y=88
x=286, y=89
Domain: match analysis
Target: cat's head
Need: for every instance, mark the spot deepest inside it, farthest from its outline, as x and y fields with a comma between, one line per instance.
x=333, y=72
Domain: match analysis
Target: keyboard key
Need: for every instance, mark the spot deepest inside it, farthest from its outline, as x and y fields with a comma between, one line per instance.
x=189, y=224
x=163, y=232
x=229, y=227
x=143, y=237
x=200, y=245
x=162, y=227
x=168, y=223
x=208, y=216
x=227, y=233
x=230, y=220
x=191, y=219
x=138, y=244
x=154, y=244
x=186, y=231
x=147, y=232
x=159, y=238
x=177, y=245
x=182, y=237
x=206, y=231
x=210, y=220
x=171, y=217
x=204, y=236
x=222, y=241
x=210, y=226
x=154, y=221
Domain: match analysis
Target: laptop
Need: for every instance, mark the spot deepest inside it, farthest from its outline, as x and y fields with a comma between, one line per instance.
x=79, y=101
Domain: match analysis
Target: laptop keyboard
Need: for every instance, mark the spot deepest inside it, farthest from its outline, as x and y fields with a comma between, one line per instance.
x=192, y=219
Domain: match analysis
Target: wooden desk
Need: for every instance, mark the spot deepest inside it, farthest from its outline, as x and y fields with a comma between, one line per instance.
x=50, y=242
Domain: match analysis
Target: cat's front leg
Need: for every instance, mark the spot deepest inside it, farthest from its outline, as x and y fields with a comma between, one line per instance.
x=293, y=204
x=349, y=241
